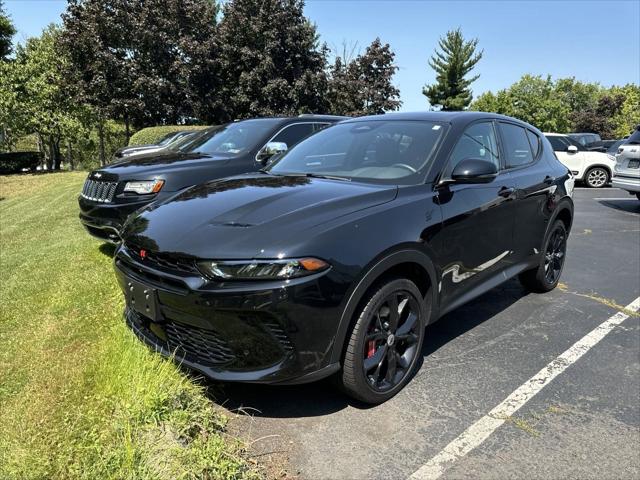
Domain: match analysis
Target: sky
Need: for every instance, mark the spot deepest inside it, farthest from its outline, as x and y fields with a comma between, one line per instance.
x=594, y=41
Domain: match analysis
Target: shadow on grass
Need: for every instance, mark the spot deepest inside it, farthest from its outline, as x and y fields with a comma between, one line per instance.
x=108, y=249
x=322, y=398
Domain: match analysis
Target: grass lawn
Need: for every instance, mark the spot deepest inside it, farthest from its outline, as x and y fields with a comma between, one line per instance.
x=80, y=397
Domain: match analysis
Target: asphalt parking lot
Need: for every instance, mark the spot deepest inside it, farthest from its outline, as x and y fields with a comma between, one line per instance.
x=584, y=423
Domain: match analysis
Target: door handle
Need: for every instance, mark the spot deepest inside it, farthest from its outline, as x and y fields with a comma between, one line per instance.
x=506, y=191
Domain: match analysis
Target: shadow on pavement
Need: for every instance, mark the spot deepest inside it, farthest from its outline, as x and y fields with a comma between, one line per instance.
x=632, y=205
x=322, y=398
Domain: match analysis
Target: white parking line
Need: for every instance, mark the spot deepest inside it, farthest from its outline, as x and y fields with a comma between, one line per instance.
x=480, y=431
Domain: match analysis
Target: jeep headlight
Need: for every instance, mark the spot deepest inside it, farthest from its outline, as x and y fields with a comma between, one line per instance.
x=144, y=187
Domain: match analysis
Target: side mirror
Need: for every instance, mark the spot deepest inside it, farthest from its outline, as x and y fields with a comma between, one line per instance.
x=572, y=149
x=474, y=170
x=269, y=150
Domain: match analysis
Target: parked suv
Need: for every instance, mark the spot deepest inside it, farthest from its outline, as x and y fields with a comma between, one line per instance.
x=626, y=173
x=111, y=193
x=164, y=142
x=585, y=139
x=593, y=168
x=332, y=260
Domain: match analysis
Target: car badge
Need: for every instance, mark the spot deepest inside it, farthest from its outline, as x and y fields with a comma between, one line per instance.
x=97, y=175
x=143, y=254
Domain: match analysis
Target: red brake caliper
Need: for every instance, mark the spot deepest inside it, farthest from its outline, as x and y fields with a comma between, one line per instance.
x=371, y=348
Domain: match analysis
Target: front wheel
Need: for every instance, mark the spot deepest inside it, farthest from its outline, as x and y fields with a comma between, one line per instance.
x=596, y=177
x=546, y=275
x=386, y=342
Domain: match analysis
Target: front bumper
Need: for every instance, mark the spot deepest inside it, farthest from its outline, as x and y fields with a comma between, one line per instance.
x=280, y=332
x=628, y=183
x=104, y=220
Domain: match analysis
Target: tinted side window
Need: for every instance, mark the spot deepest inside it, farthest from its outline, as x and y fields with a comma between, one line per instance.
x=320, y=126
x=477, y=141
x=294, y=133
x=516, y=145
x=557, y=144
x=534, y=141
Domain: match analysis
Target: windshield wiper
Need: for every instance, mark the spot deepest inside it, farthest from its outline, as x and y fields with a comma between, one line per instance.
x=328, y=177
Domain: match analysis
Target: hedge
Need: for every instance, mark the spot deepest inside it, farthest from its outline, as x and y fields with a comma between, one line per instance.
x=16, y=162
x=154, y=134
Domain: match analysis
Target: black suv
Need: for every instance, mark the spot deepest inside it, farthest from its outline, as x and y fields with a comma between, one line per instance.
x=113, y=192
x=335, y=258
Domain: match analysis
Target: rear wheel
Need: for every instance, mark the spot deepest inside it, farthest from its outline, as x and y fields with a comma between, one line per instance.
x=546, y=275
x=386, y=342
x=596, y=177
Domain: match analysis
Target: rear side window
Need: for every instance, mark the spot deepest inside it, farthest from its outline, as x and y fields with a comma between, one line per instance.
x=516, y=145
x=477, y=141
x=534, y=141
x=557, y=144
x=294, y=133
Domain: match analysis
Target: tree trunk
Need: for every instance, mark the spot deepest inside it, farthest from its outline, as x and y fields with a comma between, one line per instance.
x=55, y=154
x=101, y=136
x=70, y=156
x=42, y=150
x=127, y=132
x=49, y=153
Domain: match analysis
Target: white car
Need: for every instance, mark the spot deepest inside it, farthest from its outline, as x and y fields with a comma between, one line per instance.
x=626, y=174
x=593, y=168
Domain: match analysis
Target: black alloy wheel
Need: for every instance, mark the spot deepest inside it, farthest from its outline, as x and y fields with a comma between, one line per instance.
x=546, y=275
x=386, y=342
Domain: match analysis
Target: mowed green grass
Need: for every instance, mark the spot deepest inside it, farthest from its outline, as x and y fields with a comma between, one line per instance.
x=80, y=397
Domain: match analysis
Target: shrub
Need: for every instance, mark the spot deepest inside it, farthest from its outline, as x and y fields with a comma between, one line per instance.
x=16, y=162
x=154, y=134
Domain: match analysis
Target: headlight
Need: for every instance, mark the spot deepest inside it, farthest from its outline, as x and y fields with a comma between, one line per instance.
x=149, y=186
x=262, y=269
x=611, y=157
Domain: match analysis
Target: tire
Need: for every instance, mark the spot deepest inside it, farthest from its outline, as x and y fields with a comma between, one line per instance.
x=597, y=177
x=374, y=338
x=541, y=279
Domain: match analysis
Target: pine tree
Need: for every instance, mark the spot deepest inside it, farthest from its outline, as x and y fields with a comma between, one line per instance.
x=271, y=62
x=455, y=60
x=7, y=31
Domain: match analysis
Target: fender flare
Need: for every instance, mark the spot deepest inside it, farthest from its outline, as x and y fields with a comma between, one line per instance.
x=373, y=273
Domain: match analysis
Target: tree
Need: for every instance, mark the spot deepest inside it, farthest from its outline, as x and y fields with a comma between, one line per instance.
x=363, y=86
x=7, y=31
x=599, y=119
x=452, y=64
x=271, y=62
x=143, y=61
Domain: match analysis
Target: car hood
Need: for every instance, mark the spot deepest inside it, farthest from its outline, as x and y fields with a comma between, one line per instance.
x=249, y=216
x=150, y=163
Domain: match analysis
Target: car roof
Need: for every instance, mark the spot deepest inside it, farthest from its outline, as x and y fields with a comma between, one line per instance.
x=304, y=117
x=445, y=117
x=551, y=134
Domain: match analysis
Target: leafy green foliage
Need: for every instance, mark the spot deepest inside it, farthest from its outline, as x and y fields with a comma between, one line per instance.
x=15, y=162
x=80, y=396
x=566, y=105
x=452, y=64
x=142, y=61
x=7, y=31
x=270, y=60
x=154, y=134
x=363, y=86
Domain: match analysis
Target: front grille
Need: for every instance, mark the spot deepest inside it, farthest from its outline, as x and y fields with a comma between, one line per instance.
x=205, y=346
x=194, y=343
x=99, y=191
x=164, y=261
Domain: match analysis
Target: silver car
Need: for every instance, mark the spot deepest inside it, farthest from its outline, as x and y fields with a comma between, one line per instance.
x=626, y=173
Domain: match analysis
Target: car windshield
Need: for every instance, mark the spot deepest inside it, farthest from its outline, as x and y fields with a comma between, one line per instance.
x=168, y=139
x=233, y=138
x=634, y=139
x=386, y=151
